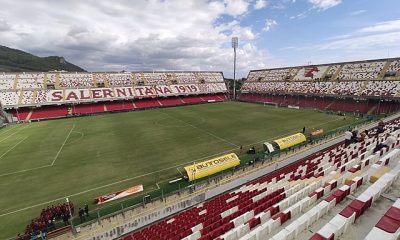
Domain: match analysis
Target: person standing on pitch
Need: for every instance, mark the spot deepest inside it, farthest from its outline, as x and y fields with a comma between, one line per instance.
x=87, y=210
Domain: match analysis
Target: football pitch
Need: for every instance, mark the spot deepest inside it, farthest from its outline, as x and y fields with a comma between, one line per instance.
x=42, y=163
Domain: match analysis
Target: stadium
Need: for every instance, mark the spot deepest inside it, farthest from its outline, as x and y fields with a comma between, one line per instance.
x=296, y=151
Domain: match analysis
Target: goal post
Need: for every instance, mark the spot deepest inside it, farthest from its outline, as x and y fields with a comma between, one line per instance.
x=270, y=104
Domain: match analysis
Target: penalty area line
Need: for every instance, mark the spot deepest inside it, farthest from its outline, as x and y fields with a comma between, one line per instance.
x=66, y=139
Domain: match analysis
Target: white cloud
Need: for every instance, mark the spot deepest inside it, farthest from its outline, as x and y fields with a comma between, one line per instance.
x=324, y=4
x=363, y=42
x=260, y=4
x=236, y=7
x=382, y=27
x=358, y=12
x=269, y=24
x=301, y=15
x=4, y=26
x=139, y=35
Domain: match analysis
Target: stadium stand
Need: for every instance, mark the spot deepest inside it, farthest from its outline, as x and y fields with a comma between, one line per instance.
x=286, y=202
x=31, y=96
x=367, y=82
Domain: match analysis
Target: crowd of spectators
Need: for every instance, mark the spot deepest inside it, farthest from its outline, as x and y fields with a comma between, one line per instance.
x=46, y=221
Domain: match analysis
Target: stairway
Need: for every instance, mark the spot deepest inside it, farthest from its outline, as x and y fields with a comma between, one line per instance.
x=105, y=80
x=134, y=80
x=336, y=74
x=29, y=115
x=34, y=96
x=45, y=81
x=329, y=105
x=21, y=94
x=16, y=81
x=372, y=110
x=57, y=80
x=94, y=80
x=326, y=71
x=296, y=71
x=381, y=75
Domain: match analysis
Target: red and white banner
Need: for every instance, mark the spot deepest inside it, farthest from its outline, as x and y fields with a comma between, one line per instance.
x=118, y=195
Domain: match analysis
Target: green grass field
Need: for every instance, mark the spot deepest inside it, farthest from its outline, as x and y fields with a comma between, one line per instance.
x=41, y=163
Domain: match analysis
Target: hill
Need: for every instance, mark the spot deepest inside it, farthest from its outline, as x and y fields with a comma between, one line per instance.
x=14, y=60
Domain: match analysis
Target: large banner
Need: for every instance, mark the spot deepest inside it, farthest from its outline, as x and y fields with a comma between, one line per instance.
x=118, y=195
x=290, y=141
x=209, y=167
x=82, y=95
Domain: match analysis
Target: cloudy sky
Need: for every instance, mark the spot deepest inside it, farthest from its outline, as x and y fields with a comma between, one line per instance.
x=101, y=35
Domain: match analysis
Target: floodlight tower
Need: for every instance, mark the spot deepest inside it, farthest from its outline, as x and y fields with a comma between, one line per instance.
x=235, y=42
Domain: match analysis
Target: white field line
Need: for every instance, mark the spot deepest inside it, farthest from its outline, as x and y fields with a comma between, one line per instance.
x=25, y=170
x=11, y=148
x=205, y=131
x=12, y=134
x=58, y=153
x=131, y=178
x=9, y=129
x=179, y=171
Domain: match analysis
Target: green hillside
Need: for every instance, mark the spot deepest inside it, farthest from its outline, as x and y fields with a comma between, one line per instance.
x=13, y=60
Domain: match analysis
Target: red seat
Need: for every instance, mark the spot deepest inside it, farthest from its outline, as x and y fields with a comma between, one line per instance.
x=388, y=224
x=319, y=237
x=393, y=213
x=347, y=212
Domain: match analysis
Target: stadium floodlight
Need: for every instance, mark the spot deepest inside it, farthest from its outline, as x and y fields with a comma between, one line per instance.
x=235, y=43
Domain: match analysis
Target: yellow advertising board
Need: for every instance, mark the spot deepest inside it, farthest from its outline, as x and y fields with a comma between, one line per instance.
x=290, y=141
x=209, y=167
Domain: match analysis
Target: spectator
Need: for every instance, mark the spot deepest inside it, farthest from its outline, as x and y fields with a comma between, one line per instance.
x=87, y=210
x=363, y=136
x=354, y=137
x=304, y=130
x=40, y=226
x=82, y=214
x=390, y=140
x=347, y=138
